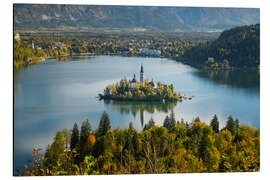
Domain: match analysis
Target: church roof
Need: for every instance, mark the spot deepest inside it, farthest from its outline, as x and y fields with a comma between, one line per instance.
x=134, y=79
x=141, y=68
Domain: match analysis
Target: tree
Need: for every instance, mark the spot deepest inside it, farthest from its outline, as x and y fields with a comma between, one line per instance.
x=197, y=119
x=150, y=124
x=231, y=125
x=180, y=130
x=85, y=132
x=237, y=123
x=104, y=124
x=66, y=136
x=166, y=122
x=215, y=124
x=89, y=144
x=59, y=142
x=74, y=137
x=54, y=152
x=169, y=122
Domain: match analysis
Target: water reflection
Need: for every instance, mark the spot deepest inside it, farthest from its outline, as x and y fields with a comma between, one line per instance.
x=139, y=107
x=249, y=79
x=16, y=74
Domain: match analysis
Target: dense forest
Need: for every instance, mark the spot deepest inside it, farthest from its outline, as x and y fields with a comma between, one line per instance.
x=175, y=147
x=23, y=54
x=237, y=47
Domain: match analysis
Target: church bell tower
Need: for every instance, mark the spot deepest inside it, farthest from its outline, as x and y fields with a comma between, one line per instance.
x=141, y=75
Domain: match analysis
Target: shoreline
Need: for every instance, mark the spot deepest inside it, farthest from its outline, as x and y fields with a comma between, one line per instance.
x=177, y=59
x=103, y=97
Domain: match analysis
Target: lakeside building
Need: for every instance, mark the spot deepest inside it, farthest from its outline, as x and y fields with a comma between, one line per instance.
x=17, y=37
x=149, y=52
x=33, y=45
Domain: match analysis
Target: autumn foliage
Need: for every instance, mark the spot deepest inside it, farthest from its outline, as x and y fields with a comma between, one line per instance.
x=183, y=148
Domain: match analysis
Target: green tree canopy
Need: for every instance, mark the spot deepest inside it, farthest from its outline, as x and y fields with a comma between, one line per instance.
x=104, y=124
x=231, y=125
x=169, y=122
x=74, y=136
x=215, y=123
x=85, y=132
x=150, y=124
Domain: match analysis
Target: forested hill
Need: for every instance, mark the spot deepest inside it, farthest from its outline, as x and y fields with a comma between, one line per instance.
x=240, y=46
x=130, y=18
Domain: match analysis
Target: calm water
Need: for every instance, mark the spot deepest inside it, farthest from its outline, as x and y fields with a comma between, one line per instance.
x=52, y=96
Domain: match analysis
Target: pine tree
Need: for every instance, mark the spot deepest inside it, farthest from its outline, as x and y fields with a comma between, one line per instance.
x=85, y=132
x=169, y=122
x=53, y=152
x=74, y=137
x=66, y=136
x=150, y=124
x=197, y=119
x=172, y=117
x=166, y=122
x=104, y=124
x=231, y=125
x=237, y=124
x=215, y=124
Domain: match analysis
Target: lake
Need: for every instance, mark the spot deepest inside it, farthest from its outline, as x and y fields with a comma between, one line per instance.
x=52, y=96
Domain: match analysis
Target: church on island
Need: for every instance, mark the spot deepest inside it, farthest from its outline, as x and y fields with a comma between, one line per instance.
x=143, y=90
x=134, y=81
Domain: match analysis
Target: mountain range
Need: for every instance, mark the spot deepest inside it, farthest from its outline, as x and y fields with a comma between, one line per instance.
x=130, y=18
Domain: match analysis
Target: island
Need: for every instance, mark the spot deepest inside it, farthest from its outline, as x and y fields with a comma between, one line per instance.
x=144, y=90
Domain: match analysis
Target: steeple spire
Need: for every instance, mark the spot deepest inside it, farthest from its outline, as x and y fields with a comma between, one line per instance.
x=141, y=74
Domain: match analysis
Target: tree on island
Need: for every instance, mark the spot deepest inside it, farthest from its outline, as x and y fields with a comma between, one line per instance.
x=146, y=91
